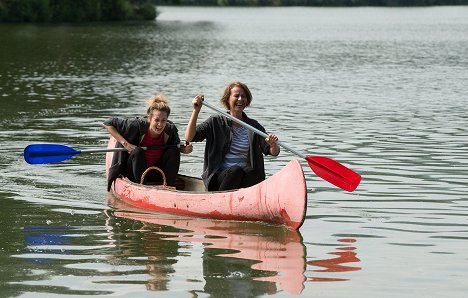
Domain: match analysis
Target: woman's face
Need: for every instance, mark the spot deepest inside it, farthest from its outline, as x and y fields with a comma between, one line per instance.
x=237, y=99
x=157, y=122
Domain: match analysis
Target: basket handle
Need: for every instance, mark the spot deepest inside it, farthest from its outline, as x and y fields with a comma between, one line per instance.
x=142, y=181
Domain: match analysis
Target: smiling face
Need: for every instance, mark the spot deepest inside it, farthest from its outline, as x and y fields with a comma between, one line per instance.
x=157, y=122
x=236, y=96
x=237, y=100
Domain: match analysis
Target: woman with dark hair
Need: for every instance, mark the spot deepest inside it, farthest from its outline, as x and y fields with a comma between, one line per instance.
x=233, y=153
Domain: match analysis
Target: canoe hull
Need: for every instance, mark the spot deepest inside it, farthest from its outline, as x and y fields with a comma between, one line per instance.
x=280, y=199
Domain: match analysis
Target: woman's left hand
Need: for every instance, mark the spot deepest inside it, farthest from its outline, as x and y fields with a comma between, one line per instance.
x=271, y=139
x=187, y=148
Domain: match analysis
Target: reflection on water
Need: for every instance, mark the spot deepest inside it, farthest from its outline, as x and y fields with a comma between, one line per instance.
x=345, y=255
x=42, y=240
x=134, y=249
x=276, y=254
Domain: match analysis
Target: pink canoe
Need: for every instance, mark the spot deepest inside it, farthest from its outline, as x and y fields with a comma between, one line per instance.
x=280, y=199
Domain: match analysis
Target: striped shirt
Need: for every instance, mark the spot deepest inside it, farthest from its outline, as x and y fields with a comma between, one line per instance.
x=239, y=149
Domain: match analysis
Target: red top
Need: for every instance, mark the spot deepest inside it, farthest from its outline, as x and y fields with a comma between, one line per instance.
x=153, y=155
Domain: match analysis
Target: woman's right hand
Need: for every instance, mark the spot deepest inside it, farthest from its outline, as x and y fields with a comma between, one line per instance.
x=129, y=147
x=197, y=102
x=191, y=129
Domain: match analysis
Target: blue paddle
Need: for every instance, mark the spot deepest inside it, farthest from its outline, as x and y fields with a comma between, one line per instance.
x=50, y=153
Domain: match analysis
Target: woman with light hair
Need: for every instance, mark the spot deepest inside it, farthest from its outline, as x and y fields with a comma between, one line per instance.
x=153, y=131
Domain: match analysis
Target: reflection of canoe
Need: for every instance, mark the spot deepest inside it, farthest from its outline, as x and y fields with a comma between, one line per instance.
x=280, y=199
x=276, y=250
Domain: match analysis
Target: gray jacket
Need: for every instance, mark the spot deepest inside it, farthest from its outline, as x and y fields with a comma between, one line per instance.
x=217, y=133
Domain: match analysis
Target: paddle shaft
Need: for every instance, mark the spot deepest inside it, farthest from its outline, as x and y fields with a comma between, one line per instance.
x=251, y=128
x=104, y=150
x=123, y=149
x=62, y=152
x=48, y=153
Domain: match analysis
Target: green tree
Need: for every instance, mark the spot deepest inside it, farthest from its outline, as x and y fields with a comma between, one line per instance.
x=75, y=10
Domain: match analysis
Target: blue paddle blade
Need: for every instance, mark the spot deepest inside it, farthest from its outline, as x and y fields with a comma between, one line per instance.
x=48, y=153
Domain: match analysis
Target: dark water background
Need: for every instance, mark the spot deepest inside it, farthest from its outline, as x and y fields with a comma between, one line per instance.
x=382, y=90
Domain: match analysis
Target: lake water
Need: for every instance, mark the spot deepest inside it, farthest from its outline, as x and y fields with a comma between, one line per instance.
x=381, y=90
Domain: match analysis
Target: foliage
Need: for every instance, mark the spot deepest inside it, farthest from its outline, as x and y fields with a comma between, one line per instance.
x=75, y=10
x=115, y=10
x=312, y=2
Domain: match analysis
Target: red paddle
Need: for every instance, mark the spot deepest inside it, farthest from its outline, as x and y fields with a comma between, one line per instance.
x=326, y=168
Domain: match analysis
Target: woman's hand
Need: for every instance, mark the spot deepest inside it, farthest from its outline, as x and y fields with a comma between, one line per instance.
x=197, y=102
x=129, y=147
x=191, y=128
x=187, y=148
x=271, y=139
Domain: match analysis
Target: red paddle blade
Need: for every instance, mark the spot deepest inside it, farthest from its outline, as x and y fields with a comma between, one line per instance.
x=334, y=172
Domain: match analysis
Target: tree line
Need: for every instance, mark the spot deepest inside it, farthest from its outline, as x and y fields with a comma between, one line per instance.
x=312, y=2
x=119, y=10
x=76, y=10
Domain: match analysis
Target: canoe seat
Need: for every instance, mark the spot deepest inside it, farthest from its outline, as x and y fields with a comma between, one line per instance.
x=180, y=184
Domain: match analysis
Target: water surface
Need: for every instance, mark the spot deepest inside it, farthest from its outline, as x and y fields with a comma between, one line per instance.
x=382, y=90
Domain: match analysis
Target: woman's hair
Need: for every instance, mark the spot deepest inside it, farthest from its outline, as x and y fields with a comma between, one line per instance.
x=227, y=92
x=158, y=103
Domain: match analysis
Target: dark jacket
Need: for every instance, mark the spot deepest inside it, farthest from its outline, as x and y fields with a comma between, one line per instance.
x=133, y=130
x=217, y=132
